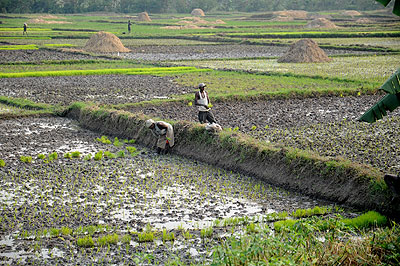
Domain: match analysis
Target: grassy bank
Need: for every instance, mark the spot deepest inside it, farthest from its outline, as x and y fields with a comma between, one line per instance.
x=334, y=179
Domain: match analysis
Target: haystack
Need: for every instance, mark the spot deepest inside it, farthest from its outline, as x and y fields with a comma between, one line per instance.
x=304, y=51
x=105, y=42
x=296, y=14
x=197, y=12
x=321, y=23
x=351, y=13
x=364, y=20
x=144, y=16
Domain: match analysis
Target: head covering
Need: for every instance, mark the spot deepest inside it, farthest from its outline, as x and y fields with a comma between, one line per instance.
x=202, y=85
x=149, y=122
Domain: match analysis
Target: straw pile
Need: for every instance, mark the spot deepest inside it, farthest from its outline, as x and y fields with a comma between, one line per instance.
x=295, y=14
x=197, y=12
x=321, y=23
x=144, y=16
x=105, y=42
x=304, y=51
x=351, y=13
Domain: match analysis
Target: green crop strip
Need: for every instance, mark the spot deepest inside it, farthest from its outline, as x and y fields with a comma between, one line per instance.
x=130, y=71
x=24, y=38
x=59, y=45
x=19, y=47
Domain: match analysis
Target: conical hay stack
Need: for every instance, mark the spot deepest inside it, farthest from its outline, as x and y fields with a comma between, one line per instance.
x=105, y=42
x=321, y=23
x=197, y=12
x=144, y=17
x=351, y=13
x=304, y=51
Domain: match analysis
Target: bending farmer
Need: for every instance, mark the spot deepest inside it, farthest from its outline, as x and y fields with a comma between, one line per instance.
x=202, y=102
x=164, y=133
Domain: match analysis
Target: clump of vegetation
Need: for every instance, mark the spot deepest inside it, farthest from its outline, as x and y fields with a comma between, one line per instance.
x=132, y=150
x=148, y=235
x=104, y=140
x=87, y=157
x=76, y=154
x=41, y=156
x=107, y=240
x=110, y=155
x=98, y=156
x=25, y=159
x=206, y=232
x=366, y=220
x=167, y=236
x=53, y=156
x=117, y=143
x=2, y=163
x=86, y=242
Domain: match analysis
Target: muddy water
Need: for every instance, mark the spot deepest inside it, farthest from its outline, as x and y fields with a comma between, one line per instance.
x=123, y=196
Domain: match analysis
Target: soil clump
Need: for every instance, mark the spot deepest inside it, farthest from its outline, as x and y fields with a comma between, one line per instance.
x=304, y=51
x=105, y=42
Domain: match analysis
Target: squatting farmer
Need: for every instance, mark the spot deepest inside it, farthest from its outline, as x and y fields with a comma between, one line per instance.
x=202, y=101
x=164, y=133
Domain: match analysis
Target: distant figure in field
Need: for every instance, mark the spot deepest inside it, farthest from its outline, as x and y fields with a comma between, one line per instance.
x=25, y=28
x=129, y=26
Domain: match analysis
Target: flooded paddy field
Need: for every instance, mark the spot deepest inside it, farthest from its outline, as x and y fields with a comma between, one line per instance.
x=127, y=206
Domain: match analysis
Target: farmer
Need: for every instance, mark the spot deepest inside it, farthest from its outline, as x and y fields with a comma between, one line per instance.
x=202, y=102
x=129, y=26
x=25, y=27
x=164, y=133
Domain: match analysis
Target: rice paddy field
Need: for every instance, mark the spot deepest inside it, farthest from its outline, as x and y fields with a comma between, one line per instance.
x=71, y=196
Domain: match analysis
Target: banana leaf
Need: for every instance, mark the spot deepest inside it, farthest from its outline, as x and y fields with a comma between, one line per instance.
x=379, y=110
x=392, y=85
x=396, y=8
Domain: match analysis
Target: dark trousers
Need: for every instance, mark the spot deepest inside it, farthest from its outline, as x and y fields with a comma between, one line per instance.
x=206, y=116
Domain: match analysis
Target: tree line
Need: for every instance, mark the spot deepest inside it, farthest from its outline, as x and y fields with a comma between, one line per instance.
x=178, y=6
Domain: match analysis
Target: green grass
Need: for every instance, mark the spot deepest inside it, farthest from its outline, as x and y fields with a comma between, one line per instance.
x=19, y=47
x=236, y=85
x=374, y=69
x=130, y=71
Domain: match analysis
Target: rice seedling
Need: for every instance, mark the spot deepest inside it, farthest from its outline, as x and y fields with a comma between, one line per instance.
x=167, y=236
x=117, y=143
x=107, y=240
x=86, y=242
x=2, y=163
x=25, y=159
x=366, y=220
x=110, y=155
x=68, y=155
x=121, y=154
x=41, y=156
x=206, y=232
x=88, y=157
x=76, y=154
x=53, y=156
x=186, y=234
x=98, y=156
x=104, y=140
